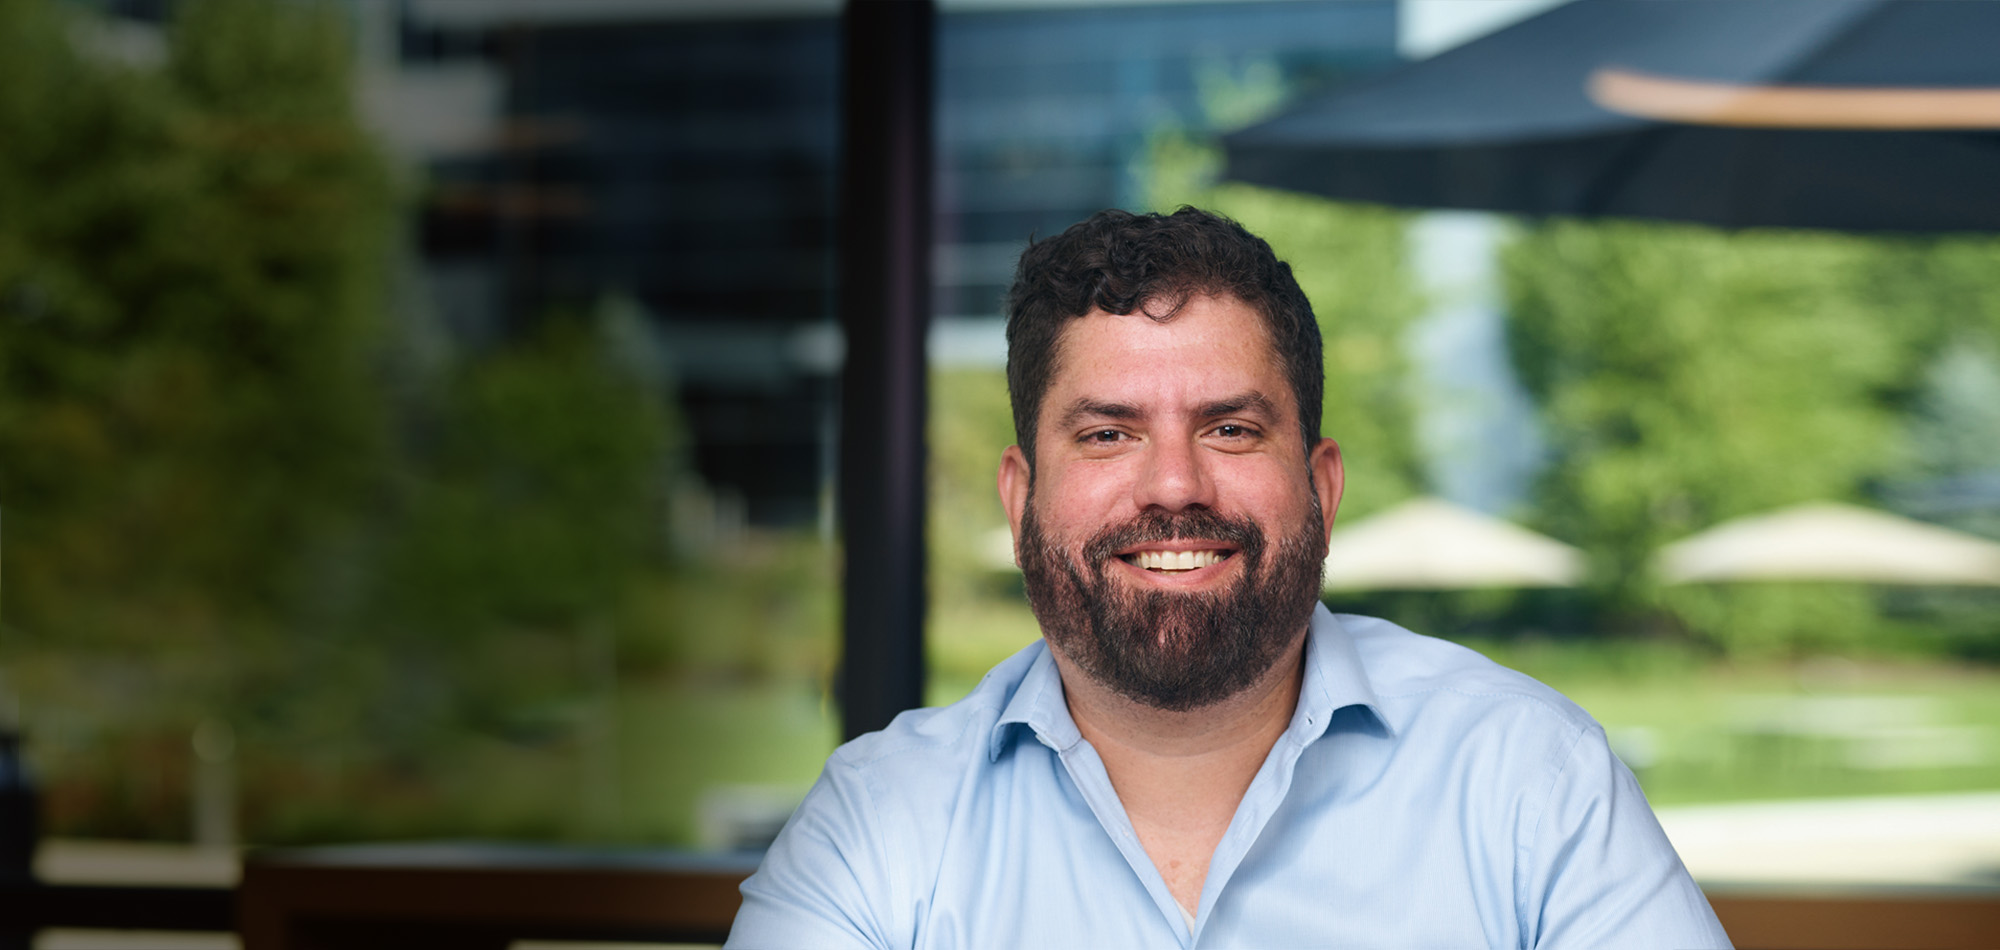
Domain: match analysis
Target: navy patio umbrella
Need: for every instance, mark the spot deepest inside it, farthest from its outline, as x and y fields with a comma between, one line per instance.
x=1859, y=115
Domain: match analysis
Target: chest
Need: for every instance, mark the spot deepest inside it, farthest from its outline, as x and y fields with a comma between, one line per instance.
x=1326, y=867
x=1180, y=845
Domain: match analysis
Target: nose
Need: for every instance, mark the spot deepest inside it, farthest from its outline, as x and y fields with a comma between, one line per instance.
x=1174, y=477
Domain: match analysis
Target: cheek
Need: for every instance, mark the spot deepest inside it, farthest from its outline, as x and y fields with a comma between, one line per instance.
x=1284, y=498
x=1057, y=518
x=1077, y=492
x=1067, y=522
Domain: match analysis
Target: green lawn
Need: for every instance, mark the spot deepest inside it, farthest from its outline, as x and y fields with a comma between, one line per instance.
x=1695, y=731
x=678, y=741
x=1826, y=728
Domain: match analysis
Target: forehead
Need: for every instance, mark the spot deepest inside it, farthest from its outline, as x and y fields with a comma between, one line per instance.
x=1213, y=347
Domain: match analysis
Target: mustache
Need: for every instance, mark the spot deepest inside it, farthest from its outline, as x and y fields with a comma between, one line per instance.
x=1157, y=525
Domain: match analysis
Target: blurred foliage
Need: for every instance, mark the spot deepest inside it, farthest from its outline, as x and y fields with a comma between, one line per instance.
x=190, y=270
x=1687, y=376
x=233, y=493
x=1955, y=423
x=970, y=424
x=978, y=613
x=535, y=497
x=1954, y=438
x=188, y=279
x=462, y=589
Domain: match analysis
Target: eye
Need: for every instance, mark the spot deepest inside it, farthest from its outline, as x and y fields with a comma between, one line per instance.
x=1103, y=436
x=1231, y=430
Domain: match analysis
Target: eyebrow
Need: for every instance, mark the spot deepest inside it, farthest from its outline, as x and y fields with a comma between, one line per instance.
x=1083, y=408
x=1254, y=402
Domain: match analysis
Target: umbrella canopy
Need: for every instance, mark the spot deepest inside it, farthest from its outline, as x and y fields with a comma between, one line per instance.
x=1831, y=542
x=1862, y=115
x=1428, y=544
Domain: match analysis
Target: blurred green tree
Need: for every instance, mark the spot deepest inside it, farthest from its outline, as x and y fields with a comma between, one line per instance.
x=1955, y=430
x=1686, y=376
x=228, y=495
x=189, y=270
x=970, y=424
x=537, y=492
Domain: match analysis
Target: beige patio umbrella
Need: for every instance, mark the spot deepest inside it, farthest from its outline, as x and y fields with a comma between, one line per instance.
x=1430, y=544
x=1824, y=541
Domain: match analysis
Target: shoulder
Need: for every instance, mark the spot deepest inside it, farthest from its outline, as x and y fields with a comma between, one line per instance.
x=1414, y=675
x=851, y=866
x=936, y=742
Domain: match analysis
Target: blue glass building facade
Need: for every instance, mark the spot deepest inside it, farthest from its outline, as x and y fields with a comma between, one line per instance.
x=685, y=158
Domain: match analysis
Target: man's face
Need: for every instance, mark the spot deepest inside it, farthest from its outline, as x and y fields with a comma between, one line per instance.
x=1171, y=536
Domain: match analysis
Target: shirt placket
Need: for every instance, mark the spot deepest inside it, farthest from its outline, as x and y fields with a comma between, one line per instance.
x=1085, y=769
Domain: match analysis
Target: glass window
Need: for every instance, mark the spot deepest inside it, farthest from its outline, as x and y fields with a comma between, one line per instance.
x=427, y=443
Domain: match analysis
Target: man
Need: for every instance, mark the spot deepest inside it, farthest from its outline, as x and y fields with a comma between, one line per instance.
x=1198, y=753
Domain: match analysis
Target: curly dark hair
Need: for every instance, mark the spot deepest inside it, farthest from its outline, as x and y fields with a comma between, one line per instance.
x=1119, y=262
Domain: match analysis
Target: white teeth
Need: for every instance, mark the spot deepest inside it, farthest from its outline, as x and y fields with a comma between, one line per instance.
x=1176, y=560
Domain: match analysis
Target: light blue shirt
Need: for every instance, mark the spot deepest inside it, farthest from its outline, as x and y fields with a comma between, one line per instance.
x=1422, y=796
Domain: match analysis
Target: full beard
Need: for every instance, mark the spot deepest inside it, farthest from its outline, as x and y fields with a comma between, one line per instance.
x=1171, y=650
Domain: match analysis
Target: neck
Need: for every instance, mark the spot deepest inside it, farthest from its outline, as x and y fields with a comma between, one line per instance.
x=1181, y=775
x=1244, y=725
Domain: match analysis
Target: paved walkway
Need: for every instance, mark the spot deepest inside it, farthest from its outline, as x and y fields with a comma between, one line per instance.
x=1904, y=840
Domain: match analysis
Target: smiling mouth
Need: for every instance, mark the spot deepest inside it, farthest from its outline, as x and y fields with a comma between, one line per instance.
x=1176, y=562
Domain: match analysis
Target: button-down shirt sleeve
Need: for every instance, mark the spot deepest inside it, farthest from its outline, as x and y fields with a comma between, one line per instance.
x=822, y=883
x=1597, y=871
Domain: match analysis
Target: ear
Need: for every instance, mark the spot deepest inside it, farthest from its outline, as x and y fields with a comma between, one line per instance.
x=1014, y=476
x=1329, y=478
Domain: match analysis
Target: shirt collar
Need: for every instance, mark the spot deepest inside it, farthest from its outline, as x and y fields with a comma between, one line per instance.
x=1038, y=704
x=1334, y=679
